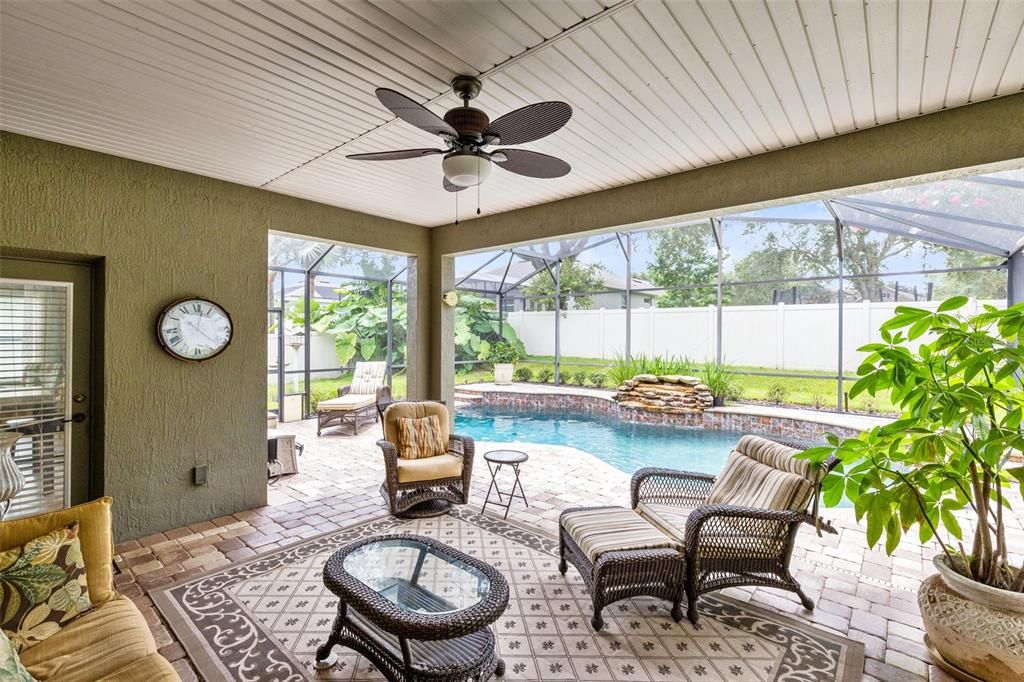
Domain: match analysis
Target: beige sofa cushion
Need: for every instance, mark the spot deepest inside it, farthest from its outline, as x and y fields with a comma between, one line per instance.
x=597, y=531
x=429, y=468
x=108, y=640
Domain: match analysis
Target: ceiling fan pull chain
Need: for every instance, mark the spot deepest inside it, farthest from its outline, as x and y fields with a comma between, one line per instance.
x=478, y=186
x=456, y=208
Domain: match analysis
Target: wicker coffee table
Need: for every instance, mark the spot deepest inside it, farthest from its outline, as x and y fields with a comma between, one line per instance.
x=416, y=608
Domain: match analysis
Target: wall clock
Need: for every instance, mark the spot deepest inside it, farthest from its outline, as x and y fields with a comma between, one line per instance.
x=194, y=329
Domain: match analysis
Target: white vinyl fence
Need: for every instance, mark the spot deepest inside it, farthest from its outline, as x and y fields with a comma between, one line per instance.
x=781, y=337
x=321, y=355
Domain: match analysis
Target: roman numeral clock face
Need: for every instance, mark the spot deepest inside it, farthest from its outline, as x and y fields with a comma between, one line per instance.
x=194, y=329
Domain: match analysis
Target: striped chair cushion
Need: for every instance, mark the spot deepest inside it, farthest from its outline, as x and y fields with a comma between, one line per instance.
x=776, y=455
x=367, y=377
x=745, y=482
x=669, y=518
x=420, y=437
x=609, y=529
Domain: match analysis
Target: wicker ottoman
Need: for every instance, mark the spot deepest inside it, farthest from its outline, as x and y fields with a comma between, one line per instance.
x=620, y=555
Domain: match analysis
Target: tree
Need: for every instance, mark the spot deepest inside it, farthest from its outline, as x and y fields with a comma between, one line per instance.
x=683, y=256
x=576, y=281
x=798, y=250
x=357, y=321
x=983, y=284
x=478, y=329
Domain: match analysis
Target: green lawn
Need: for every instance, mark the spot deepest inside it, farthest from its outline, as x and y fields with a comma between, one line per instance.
x=796, y=391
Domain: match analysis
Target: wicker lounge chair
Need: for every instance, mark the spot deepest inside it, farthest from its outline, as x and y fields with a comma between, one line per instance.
x=427, y=486
x=356, y=403
x=737, y=528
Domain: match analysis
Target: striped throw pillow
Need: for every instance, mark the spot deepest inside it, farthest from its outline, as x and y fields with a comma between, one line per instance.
x=420, y=437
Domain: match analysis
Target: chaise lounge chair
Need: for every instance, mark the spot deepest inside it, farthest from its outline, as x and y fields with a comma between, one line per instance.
x=355, y=403
x=737, y=529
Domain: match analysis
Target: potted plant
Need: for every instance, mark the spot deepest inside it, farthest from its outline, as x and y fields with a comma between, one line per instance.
x=952, y=455
x=720, y=381
x=504, y=356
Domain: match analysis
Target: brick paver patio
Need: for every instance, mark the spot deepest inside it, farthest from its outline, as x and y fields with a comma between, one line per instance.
x=860, y=593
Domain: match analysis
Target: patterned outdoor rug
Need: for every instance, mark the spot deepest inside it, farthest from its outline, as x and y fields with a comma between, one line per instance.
x=263, y=619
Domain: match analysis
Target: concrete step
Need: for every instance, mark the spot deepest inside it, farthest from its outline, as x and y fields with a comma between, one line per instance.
x=468, y=397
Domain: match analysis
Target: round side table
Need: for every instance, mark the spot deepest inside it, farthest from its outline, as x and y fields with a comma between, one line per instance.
x=495, y=460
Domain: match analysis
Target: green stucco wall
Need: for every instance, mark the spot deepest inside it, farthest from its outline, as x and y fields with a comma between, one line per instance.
x=159, y=235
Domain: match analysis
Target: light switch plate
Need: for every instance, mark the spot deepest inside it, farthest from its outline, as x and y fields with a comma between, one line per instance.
x=199, y=475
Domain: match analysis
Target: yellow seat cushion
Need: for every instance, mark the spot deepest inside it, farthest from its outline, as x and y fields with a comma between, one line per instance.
x=345, y=403
x=99, y=643
x=152, y=668
x=429, y=468
x=94, y=536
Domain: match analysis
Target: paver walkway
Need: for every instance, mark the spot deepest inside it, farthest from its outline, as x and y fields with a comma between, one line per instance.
x=860, y=593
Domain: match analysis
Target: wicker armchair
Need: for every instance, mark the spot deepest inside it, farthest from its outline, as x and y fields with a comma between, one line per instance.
x=427, y=486
x=728, y=545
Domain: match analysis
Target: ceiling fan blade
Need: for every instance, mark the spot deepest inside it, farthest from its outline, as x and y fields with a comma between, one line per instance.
x=450, y=187
x=414, y=113
x=394, y=155
x=529, y=123
x=530, y=164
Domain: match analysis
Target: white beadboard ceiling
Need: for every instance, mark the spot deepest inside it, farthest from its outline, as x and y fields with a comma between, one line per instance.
x=275, y=93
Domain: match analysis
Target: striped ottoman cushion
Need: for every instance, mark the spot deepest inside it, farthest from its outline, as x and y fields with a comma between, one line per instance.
x=608, y=529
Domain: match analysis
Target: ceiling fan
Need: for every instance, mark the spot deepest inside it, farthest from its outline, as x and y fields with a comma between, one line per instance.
x=468, y=132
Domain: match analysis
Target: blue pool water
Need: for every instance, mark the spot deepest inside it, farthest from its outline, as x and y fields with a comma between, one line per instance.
x=625, y=446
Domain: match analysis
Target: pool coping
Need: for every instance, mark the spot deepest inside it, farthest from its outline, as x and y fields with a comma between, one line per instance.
x=779, y=421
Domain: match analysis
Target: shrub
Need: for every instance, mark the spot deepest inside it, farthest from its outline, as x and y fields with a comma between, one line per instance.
x=625, y=368
x=318, y=394
x=545, y=375
x=503, y=353
x=523, y=374
x=579, y=377
x=719, y=379
x=777, y=392
x=598, y=379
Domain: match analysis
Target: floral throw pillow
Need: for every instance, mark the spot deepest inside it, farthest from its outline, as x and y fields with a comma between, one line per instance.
x=10, y=667
x=42, y=586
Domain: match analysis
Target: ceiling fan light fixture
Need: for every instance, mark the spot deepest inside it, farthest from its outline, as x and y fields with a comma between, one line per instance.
x=466, y=169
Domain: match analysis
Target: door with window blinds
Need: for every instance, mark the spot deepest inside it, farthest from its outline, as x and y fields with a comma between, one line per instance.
x=35, y=400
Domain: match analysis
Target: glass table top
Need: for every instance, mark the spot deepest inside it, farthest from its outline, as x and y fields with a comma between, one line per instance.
x=417, y=578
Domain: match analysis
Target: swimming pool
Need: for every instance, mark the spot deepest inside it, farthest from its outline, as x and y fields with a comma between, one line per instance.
x=625, y=446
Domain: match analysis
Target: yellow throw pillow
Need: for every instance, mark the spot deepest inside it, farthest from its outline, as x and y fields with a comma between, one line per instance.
x=42, y=586
x=420, y=437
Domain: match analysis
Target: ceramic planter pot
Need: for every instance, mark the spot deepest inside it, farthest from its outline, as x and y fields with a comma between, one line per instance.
x=503, y=374
x=718, y=401
x=974, y=631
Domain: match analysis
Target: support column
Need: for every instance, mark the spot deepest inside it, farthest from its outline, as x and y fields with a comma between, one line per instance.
x=446, y=335
x=558, y=320
x=629, y=295
x=1015, y=279
x=391, y=335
